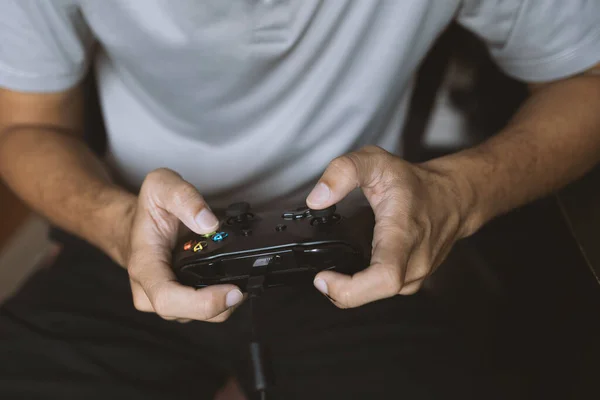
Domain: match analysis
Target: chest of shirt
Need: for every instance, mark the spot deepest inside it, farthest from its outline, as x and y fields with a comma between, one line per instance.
x=226, y=64
x=222, y=33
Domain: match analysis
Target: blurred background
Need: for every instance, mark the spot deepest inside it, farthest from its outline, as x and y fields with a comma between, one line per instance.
x=524, y=289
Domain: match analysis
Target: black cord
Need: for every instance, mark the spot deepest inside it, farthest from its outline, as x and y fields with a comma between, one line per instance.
x=255, y=288
x=258, y=362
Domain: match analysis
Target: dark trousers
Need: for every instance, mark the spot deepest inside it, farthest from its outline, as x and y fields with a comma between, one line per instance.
x=73, y=333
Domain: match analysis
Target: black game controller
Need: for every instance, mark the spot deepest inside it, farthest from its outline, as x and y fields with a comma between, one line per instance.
x=285, y=248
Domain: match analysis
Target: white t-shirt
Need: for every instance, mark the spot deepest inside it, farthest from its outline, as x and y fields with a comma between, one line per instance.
x=250, y=100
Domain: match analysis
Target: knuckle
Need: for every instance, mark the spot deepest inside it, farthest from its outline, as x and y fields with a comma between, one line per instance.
x=141, y=306
x=133, y=267
x=161, y=172
x=161, y=303
x=132, y=270
x=410, y=290
x=136, y=272
x=407, y=227
x=371, y=148
x=209, y=307
x=379, y=159
x=422, y=270
x=158, y=181
x=393, y=281
x=157, y=175
x=420, y=274
x=345, y=163
x=140, y=303
x=184, y=194
x=344, y=299
x=418, y=233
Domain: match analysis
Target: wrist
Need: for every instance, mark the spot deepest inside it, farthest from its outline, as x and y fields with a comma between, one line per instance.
x=455, y=175
x=115, y=219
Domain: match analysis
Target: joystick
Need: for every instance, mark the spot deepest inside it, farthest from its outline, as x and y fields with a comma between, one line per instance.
x=274, y=249
x=324, y=216
x=324, y=213
x=285, y=248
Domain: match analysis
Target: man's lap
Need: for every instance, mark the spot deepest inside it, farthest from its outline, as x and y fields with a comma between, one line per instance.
x=72, y=332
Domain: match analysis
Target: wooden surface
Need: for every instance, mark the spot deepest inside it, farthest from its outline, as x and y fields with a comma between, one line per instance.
x=12, y=214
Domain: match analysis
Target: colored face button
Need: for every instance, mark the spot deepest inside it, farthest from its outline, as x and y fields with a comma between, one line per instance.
x=219, y=237
x=207, y=235
x=188, y=245
x=200, y=246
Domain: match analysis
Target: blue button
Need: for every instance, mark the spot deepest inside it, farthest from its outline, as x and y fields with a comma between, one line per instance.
x=219, y=237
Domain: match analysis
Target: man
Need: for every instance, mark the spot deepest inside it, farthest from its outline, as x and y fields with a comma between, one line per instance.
x=211, y=102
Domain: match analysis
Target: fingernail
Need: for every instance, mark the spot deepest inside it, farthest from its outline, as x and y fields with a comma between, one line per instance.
x=233, y=297
x=319, y=195
x=206, y=220
x=321, y=286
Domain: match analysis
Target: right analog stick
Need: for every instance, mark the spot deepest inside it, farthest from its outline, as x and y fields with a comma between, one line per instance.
x=324, y=213
x=324, y=217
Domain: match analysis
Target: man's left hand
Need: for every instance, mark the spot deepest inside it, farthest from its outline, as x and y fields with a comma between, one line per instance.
x=418, y=217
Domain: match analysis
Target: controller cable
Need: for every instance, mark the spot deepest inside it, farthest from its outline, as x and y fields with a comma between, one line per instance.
x=261, y=374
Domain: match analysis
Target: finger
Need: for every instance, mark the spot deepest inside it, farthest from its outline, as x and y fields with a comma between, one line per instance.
x=412, y=288
x=140, y=300
x=171, y=299
x=344, y=174
x=419, y=266
x=383, y=278
x=227, y=313
x=221, y=317
x=417, y=270
x=181, y=199
x=374, y=283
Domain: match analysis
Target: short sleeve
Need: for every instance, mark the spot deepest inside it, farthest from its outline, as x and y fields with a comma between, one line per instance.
x=45, y=45
x=537, y=40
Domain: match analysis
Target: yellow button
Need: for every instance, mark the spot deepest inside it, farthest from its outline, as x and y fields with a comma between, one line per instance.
x=200, y=246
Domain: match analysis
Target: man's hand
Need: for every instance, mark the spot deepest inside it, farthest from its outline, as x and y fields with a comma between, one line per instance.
x=166, y=199
x=418, y=218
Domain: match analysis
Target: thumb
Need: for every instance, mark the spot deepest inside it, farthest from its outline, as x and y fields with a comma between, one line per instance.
x=168, y=191
x=343, y=175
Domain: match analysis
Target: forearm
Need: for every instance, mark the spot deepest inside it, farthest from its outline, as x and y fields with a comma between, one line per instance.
x=553, y=140
x=58, y=176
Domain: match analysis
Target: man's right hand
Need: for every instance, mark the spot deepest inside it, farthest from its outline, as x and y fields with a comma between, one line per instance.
x=166, y=199
x=44, y=132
